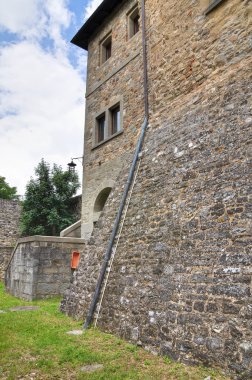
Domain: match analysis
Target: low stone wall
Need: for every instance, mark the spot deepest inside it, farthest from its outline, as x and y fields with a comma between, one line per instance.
x=40, y=266
x=9, y=230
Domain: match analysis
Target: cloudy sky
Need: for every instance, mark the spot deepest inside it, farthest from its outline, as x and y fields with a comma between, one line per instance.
x=42, y=85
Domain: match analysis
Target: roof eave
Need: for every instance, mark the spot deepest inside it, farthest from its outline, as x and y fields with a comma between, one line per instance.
x=82, y=37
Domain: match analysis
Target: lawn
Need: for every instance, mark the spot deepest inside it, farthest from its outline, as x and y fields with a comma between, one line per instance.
x=34, y=345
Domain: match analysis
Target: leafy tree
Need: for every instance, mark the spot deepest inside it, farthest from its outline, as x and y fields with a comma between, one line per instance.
x=47, y=205
x=7, y=192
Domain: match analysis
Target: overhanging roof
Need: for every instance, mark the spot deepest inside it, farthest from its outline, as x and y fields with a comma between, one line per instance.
x=95, y=20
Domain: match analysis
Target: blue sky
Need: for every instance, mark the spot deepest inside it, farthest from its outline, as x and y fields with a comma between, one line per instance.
x=42, y=85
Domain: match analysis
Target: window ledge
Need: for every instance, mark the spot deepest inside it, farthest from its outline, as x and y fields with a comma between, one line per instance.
x=214, y=4
x=102, y=64
x=107, y=139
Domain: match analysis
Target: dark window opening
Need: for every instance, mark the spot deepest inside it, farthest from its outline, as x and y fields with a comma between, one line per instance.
x=106, y=49
x=101, y=128
x=115, y=120
x=136, y=24
x=133, y=22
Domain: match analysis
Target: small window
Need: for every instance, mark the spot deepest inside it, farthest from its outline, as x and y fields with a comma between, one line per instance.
x=100, y=128
x=106, y=49
x=133, y=23
x=115, y=119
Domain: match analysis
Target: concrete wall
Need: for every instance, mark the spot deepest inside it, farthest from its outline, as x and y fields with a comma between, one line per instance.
x=181, y=280
x=40, y=267
x=9, y=230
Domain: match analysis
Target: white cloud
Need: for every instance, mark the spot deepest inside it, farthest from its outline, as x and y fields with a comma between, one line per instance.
x=36, y=19
x=18, y=16
x=91, y=7
x=43, y=107
x=42, y=94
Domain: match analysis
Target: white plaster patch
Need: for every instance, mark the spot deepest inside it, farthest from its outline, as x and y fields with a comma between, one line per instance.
x=135, y=333
x=248, y=120
x=232, y=270
x=123, y=269
x=218, y=328
x=180, y=154
x=168, y=269
x=246, y=347
x=124, y=301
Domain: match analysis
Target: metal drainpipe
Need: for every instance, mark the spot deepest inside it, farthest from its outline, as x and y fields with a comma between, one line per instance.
x=128, y=183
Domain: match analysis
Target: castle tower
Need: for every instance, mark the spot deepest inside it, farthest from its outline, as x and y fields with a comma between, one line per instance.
x=180, y=282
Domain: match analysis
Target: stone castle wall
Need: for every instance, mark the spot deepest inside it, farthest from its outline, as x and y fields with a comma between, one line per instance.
x=117, y=80
x=181, y=280
x=9, y=230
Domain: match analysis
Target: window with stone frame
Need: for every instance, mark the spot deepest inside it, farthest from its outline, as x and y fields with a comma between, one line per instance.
x=133, y=22
x=106, y=49
x=100, y=128
x=114, y=119
x=108, y=124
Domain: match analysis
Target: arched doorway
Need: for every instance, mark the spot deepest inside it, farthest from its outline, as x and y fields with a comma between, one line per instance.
x=100, y=203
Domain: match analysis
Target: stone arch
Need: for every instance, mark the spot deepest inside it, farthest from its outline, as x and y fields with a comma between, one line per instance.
x=94, y=199
x=101, y=199
x=100, y=202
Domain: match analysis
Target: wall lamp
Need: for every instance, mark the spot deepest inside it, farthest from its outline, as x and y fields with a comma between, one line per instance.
x=71, y=165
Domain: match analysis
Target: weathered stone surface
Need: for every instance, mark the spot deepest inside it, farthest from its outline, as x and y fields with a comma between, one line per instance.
x=181, y=278
x=9, y=230
x=40, y=267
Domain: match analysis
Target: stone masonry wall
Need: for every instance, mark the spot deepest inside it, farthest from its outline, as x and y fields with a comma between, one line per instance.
x=40, y=267
x=117, y=80
x=181, y=280
x=9, y=230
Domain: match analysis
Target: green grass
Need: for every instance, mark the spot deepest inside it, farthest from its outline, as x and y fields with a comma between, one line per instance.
x=34, y=345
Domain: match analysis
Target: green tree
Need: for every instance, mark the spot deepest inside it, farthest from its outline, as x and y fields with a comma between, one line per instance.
x=47, y=204
x=7, y=192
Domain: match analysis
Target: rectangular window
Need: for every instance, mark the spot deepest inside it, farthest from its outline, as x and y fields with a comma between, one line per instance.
x=108, y=124
x=115, y=120
x=133, y=22
x=100, y=128
x=136, y=24
x=106, y=49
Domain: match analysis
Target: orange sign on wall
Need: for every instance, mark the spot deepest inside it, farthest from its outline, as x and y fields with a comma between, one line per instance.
x=75, y=259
